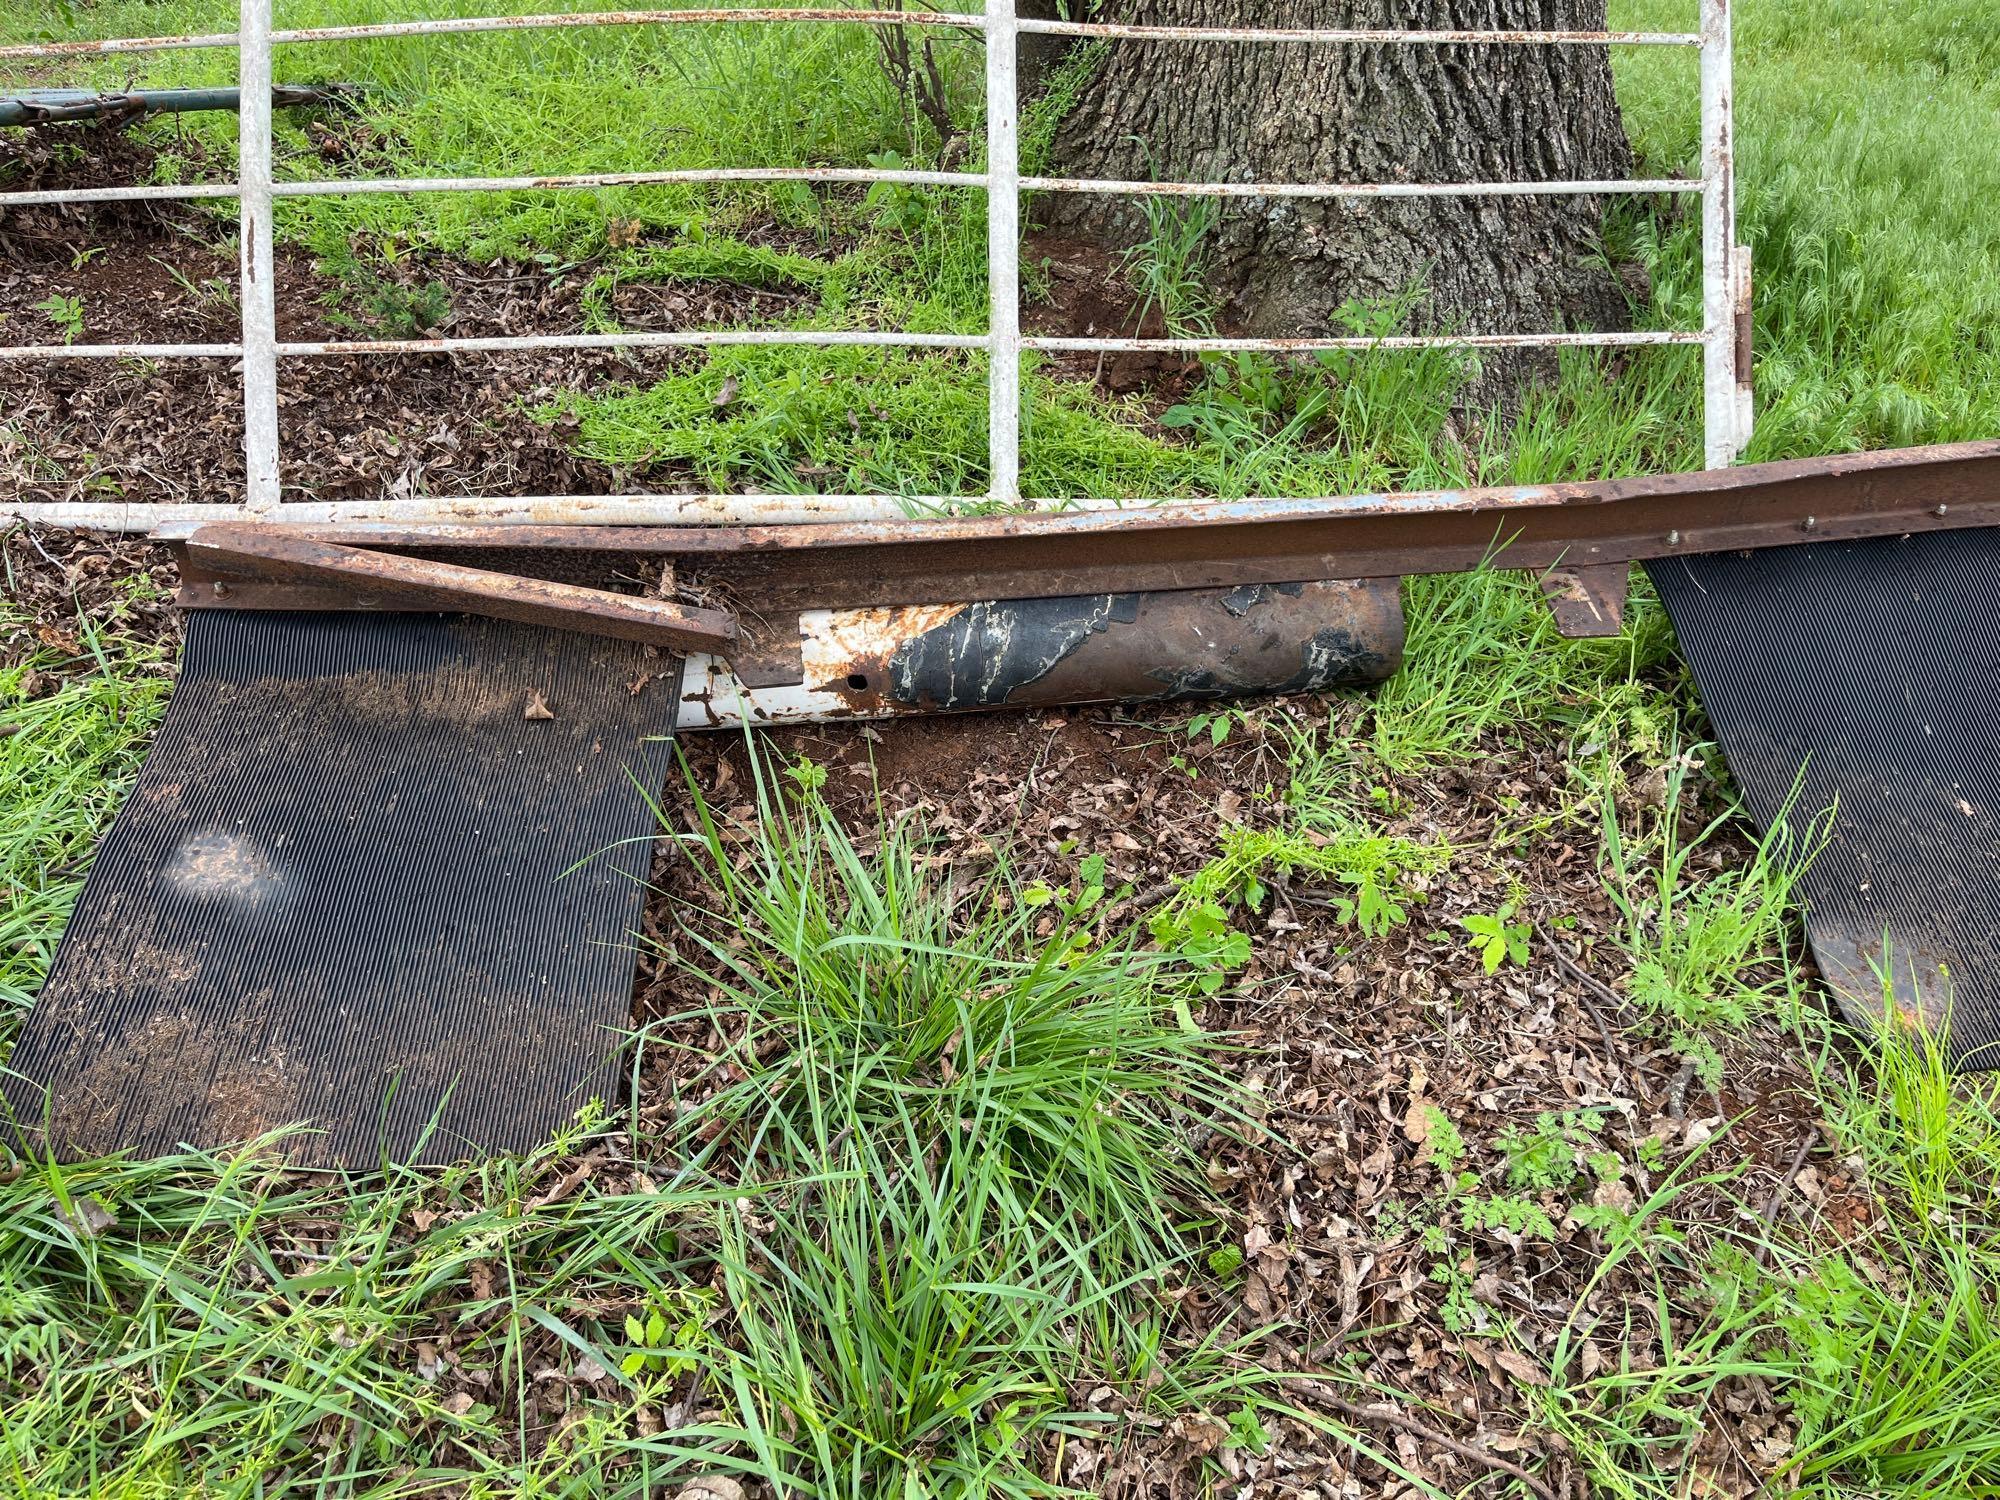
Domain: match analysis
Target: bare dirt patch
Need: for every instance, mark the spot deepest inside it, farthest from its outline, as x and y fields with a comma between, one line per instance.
x=1089, y=296
x=353, y=427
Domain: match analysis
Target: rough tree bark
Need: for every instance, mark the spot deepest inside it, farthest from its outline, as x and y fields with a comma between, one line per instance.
x=1290, y=113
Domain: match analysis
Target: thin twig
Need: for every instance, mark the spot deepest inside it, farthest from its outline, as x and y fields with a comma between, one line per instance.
x=1141, y=900
x=1590, y=982
x=1772, y=1203
x=1411, y=1425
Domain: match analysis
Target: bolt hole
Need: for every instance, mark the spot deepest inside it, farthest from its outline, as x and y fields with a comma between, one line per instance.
x=858, y=681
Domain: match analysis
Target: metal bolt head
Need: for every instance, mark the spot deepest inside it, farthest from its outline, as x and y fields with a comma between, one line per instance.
x=1810, y=523
x=1673, y=539
x=220, y=589
x=1942, y=509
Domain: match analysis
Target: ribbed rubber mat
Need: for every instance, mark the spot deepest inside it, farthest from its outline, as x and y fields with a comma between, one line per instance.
x=365, y=880
x=1873, y=668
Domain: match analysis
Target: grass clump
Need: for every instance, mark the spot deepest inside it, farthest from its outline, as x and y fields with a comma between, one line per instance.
x=976, y=1123
x=1710, y=947
x=207, y=1324
x=1484, y=656
x=68, y=761
x=943, y=1175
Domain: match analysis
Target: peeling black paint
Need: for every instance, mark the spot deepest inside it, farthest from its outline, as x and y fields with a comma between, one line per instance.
x=1241, y=601
x=1331, y=659
x=987, y=653
x=1198, y=644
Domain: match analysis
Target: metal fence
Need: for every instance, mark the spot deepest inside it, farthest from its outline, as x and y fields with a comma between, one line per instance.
x=1725, y=265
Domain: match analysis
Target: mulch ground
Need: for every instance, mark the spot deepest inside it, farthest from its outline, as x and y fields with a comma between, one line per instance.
x=1357, y=1048
x=352, y=427
x=1352, y=1045
x=164, y=431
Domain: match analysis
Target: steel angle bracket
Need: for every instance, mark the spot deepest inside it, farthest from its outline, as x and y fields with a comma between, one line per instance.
x=268, y=567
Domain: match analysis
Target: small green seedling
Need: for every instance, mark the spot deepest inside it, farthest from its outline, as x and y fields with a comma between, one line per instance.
x=1247, y=1431
x=1499, y=938
x=66, y=313
x=1201, y=935
x=665, y=1340
x=896, y=206
x=1373, y=906
x=1218, y=725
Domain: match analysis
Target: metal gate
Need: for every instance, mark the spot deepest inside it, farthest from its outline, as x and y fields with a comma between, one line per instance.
x=1723, y=338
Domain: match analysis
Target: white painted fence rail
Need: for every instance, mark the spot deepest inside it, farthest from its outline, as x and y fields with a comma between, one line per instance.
x=1724, y=264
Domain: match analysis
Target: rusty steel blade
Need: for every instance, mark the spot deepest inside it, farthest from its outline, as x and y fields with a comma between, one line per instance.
x=1208, y=546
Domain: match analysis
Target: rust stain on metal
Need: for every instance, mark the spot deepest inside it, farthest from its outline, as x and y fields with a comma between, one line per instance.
x=1588, y=603
x=1204, y=644
x=378, y=580
x=1117, y=31
x=1746, y=319
x=1194, y=546
x=496, y=23
x=894, y=564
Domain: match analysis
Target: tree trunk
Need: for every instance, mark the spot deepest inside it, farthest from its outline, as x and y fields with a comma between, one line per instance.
x=1222, y=112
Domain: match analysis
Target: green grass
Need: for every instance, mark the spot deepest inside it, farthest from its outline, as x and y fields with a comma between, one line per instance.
x=1879, y=271
x=66, y=767
x=238, y=1332
x=1866, y=190
x=1885, y=1346
x=1879, y=264
x=948, y=1183
x=952, y=1169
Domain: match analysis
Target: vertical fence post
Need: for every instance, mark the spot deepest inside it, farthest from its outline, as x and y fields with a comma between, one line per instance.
x=1721, y=411
x=259, y=294
x=1003, y=249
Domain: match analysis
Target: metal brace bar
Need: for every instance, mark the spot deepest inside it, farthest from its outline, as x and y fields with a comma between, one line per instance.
x=1606, y=522
x=237, y=563
x=1003, y=249
x=260, y=263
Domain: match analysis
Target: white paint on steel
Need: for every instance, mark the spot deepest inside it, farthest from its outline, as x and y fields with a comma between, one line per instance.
x=1643, y=339
x=713, y=697
x=669, y=510
x=1355, y=189
x=1722, y=438
x=1003, y=251
x=689, y=339
x=1321, y=37
x=164, y=521
x=148, y=193
x=1728, y=408
x=16, y=352
x=112, y=46
x=806, y=338
x=619, y=179
x=258, y=292
x=170, y=522
x=462, y=25
x=1743, y=270
x=831, y=641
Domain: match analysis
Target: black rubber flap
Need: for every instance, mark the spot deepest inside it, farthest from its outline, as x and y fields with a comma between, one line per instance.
x=380, y=873
x=1873, y=668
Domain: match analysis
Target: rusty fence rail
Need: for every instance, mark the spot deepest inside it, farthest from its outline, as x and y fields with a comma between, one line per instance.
x=1725, y=264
